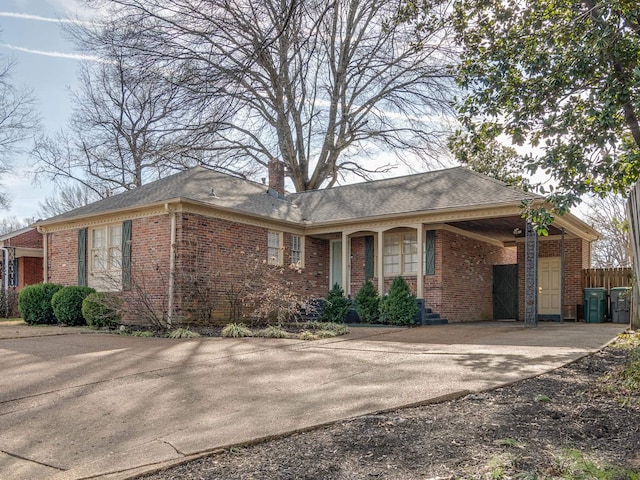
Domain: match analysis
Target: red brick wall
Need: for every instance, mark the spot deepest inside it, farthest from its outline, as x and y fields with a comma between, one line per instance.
x=150, y=239
x=218, y=254
x=63, y=257
x=462, y=287
x=467, y=276
x=357, y=264
x=576, y=257
x=30, y=239
x=29, y=271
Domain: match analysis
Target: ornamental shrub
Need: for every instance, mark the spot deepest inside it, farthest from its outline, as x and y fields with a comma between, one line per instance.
x=34, y=302
x=67, y=304
x=336, y=307
x=100, y=309
x=399, y=306
x=367, y=303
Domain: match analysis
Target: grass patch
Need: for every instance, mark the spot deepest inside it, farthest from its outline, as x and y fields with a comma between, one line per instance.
x=182, y=333
x=542, y=398
x=272, y=332
x=338, y=328
x=573, y=465
x=142, y=333
x=236, y=330
x=624, y=382
x=508, y=442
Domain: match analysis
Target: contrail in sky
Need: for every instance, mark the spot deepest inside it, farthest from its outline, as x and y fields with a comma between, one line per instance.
x=26, y=16
x=72, y=56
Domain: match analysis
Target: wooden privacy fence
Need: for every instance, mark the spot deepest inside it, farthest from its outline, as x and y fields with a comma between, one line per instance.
x=606, y=277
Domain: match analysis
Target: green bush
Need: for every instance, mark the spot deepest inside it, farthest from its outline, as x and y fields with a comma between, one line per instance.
x=399, y=306
x=34, y=302
x=367, y=303
x=67, y=304
x=336, y=307
x=100, y=309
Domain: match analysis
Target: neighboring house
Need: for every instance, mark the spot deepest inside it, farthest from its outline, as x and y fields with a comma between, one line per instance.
x=454, y=235
x=21, y=259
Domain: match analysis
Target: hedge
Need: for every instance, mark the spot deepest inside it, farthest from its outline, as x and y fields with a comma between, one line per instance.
x=67, y=304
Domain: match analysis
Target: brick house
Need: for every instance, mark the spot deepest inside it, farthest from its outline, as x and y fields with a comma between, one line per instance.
x=21, y=260
x=455, y=235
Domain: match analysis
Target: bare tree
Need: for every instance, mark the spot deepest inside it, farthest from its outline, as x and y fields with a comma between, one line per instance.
x=608, y=215
x=128, y=127
x=321, y=85
x=67, y=197
x=13, y=223
x=17, y=119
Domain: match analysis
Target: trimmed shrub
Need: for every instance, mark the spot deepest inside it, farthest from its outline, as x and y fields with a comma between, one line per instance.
x=336, y=307
x=67, y=304
x=100, y=309
x=34, y=302
x=367, y=303
x=399, y=306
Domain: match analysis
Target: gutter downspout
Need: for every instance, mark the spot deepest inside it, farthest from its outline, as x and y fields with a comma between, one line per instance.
x=45, y=253
x=172, y=265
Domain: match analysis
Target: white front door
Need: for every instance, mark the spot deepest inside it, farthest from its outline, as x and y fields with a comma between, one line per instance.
x=549, y=286
x=335, y=275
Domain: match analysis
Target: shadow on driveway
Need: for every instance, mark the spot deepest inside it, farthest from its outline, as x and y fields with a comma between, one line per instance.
x=81, y=405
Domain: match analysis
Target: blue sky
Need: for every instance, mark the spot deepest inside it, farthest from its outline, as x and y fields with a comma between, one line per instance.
x=46, y=63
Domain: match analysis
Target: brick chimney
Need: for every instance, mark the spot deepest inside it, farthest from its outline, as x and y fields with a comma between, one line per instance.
x=276, y=176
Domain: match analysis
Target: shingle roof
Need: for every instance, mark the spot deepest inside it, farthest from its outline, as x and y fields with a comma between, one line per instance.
x=201, y=185
x=442, y=189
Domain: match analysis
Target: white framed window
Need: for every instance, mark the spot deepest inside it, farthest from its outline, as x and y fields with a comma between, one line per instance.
x=297, y=245
x=105, y=250
x=400, y=256
x=274, y=248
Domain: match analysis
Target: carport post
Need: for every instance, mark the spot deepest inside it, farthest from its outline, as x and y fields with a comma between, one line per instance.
x=531, y=277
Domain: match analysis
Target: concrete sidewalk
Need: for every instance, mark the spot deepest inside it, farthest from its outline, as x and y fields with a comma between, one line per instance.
x=80, y=406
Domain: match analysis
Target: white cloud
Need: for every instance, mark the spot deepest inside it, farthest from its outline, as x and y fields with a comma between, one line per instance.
x=72, y=56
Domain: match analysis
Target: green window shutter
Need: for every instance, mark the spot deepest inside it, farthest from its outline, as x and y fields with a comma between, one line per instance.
x=430, y=253
x=126, y=255
x=368, y=257
x=82, y=257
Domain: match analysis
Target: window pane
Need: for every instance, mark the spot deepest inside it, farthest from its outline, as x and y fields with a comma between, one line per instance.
x=391, y=254
x=296, y=249
x=98, y=238
x=115, y=236
x=273, y=248
x=410, y=253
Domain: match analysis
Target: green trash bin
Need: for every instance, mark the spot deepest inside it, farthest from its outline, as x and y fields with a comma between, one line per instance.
x=595, y=305
x=620, y=304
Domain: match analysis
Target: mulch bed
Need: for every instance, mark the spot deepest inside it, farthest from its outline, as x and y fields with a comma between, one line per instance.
x=531, y=429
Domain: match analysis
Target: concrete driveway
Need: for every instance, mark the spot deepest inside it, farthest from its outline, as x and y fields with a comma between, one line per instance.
x=84, y=405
